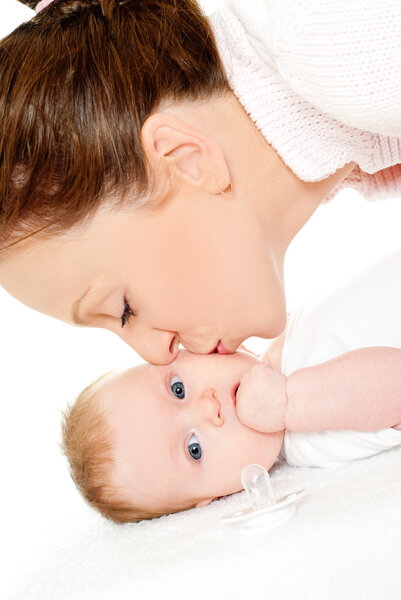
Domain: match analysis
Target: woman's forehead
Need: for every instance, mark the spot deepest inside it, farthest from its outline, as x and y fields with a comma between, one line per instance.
x=50, y=273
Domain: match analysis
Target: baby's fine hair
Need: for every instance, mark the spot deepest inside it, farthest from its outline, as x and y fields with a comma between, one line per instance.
x=87, y=446
x=86, y=442
x=77, y=82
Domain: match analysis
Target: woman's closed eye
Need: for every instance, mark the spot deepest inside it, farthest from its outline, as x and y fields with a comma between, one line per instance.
x=127, y=313
x=194, y=448
x=177, y=387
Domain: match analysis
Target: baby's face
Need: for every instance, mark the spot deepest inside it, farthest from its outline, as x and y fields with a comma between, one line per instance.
x=176, y=433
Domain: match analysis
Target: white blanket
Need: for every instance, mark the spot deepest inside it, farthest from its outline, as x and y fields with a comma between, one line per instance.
x=344, y=543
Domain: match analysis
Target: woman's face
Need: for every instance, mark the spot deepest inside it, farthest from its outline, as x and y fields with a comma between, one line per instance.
x=198, y=271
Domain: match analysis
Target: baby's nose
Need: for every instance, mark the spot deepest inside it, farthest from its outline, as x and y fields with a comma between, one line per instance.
x=210, y=407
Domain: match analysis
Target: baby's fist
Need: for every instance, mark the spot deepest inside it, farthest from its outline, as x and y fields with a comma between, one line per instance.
x=261, y=399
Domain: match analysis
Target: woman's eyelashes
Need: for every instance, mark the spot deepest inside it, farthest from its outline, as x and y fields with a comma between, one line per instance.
x=127, y=313
x=177, y=387
x=194, y=449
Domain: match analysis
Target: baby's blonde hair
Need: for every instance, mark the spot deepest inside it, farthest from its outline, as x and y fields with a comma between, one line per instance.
x=86, y=442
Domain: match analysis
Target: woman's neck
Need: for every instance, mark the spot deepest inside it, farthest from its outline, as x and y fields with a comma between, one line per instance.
x=281, y=202
x=285, y=202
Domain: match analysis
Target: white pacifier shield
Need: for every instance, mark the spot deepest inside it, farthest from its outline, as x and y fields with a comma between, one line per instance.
x=264, y=512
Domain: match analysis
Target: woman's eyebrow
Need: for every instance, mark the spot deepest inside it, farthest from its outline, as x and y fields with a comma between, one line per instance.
x=76, y=308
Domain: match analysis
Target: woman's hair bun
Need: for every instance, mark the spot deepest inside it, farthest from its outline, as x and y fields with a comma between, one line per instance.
x=106, y=4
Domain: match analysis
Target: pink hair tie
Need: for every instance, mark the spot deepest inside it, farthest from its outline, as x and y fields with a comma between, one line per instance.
x=42, y=4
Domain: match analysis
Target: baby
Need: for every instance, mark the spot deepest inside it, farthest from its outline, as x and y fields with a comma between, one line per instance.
x=152, y=440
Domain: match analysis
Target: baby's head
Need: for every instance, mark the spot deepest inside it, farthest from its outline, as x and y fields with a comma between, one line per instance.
x=153, y=440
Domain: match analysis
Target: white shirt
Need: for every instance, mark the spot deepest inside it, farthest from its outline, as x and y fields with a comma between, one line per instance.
x=321, y=79
x=364, y=312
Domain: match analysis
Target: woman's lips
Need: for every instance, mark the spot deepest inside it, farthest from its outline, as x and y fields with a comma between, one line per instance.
x=220, y=349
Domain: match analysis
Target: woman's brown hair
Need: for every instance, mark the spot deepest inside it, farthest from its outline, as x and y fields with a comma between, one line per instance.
x=77, y=82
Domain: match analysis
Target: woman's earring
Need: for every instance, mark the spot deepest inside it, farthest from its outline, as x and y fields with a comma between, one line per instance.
x=228, y=189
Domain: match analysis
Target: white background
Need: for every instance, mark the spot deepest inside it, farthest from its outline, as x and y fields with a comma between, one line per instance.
x=45, y=363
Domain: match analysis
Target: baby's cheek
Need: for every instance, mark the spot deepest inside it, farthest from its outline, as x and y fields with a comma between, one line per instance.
x=250, y=445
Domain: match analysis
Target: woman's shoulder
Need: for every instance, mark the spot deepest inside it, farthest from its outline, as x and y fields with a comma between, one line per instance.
x=340, y=56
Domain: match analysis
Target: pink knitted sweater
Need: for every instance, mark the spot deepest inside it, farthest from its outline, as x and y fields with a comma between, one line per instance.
x=321, y=79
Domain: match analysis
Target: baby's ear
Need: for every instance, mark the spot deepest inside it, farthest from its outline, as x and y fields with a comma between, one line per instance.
x=204, y=502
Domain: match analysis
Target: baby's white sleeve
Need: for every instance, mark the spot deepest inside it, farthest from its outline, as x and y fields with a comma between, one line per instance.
x=363, y=312
x=336, y=448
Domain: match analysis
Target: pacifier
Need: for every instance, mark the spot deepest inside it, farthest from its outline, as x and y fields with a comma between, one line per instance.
x=264, y=510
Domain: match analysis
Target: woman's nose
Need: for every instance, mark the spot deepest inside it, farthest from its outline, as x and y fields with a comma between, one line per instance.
x=210, y=407
x=156, y=346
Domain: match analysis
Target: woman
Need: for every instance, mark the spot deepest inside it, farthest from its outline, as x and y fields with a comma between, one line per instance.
x=155, y=165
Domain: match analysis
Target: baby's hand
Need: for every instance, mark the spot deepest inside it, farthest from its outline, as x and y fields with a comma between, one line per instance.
x=261, y=399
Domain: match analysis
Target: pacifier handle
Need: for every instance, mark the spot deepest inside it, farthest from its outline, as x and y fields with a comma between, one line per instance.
x=256, y=482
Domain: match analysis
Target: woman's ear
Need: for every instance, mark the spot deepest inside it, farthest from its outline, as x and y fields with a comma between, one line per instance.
x=187, y=153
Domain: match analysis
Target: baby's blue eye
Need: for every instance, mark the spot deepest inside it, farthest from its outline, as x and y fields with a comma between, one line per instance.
x=177, y=387
x=194, y=448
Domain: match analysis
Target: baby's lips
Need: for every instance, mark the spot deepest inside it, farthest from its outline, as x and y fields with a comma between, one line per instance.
x=233, y=395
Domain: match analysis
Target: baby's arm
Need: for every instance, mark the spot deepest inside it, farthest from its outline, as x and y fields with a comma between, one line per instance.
x=359, y=390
